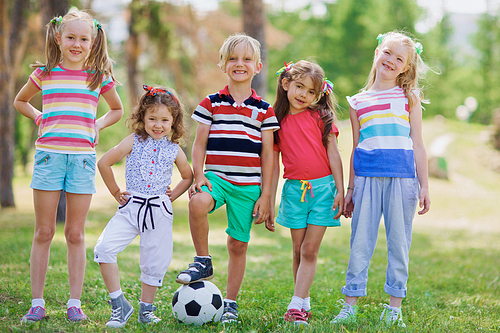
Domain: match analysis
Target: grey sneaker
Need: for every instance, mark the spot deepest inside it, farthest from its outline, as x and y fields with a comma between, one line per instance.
x=347, y=314
x=392, y=316
x=201, y=269
x=146, y=315
x=230, y=314
x=121, y=310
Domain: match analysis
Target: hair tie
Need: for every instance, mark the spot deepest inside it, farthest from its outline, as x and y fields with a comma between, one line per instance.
x=419, y=48
x=285, y=68
x=97, y=24
x=154, y=91
x=380, y=38
x=56, y=20
x=327, y=87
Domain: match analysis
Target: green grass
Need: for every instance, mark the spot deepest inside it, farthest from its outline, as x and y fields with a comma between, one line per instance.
x=454, y=283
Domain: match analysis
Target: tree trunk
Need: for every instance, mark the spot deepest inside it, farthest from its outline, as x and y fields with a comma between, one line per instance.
x=10, y=60
x=50, y=9
x=253, y=25
x=133, y=52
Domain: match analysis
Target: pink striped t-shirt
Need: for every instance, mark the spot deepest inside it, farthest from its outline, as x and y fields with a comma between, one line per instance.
x=69, y=110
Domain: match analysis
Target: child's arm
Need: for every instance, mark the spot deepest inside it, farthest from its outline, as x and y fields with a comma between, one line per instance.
x=198, y=159
x=337, y=172
x=21, y=102
x=261, y=208
x=109, y=159
x=113, y=115
x=186, y=174
x=274, y=190
x=348, y=204
x=420, y=157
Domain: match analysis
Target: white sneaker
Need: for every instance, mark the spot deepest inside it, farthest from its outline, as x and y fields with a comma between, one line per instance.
x=391, y=316
x=347, y=314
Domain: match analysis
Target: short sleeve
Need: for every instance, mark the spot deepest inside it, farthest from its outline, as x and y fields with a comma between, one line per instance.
x=270, y=122
x=36, y=77
x=203, y=112
x=107, y=83
x=351, y=101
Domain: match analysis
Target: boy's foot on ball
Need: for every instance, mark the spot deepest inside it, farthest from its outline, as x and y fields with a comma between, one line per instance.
x=201, y=269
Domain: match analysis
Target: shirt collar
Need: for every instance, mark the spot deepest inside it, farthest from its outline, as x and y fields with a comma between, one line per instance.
x=254, y=96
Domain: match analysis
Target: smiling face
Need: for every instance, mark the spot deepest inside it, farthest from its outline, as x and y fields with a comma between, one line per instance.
x=391, y=60
x=158, y=122
x=241, y=65
x=75, y=42
x=300, y=93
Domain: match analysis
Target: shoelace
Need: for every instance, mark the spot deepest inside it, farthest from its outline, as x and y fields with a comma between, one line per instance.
x=149, y=314
x=393, y=314
x=345, y=312
x=115, y=314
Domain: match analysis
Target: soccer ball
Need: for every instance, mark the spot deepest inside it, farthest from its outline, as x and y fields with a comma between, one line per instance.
x=197, y=303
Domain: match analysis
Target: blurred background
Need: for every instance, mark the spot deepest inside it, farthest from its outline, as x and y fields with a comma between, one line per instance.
x=175, y=43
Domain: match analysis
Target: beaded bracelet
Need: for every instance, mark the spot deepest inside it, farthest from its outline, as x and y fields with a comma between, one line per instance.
x=350, y=188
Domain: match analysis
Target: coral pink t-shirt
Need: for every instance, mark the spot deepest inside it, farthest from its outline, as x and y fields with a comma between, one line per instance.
x=302, y=152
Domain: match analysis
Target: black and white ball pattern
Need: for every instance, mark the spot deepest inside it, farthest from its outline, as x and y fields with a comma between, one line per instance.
x=197, y=303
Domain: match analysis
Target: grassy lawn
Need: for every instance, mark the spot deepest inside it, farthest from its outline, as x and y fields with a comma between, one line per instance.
x=454, y=283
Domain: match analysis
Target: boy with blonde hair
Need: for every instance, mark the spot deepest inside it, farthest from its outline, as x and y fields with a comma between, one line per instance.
x=235, y=135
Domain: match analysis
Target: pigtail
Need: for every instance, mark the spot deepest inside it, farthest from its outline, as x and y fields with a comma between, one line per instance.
x=98, y=62
x=53, y=54
x=281, y=104
x=326, y=108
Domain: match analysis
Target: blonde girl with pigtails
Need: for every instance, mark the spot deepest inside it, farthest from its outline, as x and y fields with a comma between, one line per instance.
x=76, y=72
x=388, y=172
x=312, y=196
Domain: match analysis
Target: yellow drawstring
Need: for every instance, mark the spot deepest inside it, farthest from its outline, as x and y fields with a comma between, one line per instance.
x=305, y=186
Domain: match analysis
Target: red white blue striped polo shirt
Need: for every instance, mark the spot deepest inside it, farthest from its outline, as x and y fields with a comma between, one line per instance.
x=235, y=141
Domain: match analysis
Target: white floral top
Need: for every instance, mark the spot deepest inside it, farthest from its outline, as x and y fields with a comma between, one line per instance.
x=149, y=166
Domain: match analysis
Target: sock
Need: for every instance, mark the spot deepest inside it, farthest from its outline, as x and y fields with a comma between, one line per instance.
x=116, y=294
x=204, y=257
x=141, y=302
x=38, y=302
x=296, y=303
x=229, y=300
x=306, y=304
x=74, y=302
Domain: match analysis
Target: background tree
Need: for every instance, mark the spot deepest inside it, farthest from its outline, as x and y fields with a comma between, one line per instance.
x=13, y=41
x=253, y=25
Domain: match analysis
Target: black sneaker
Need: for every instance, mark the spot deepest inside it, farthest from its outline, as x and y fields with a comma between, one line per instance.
x=230, y=314
x=201, y=269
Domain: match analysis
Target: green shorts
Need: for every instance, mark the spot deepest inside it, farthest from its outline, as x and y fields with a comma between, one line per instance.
x=308, y=202
x=240, y=201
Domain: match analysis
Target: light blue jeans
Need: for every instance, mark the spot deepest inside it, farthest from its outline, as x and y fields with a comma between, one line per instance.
x=396, y=200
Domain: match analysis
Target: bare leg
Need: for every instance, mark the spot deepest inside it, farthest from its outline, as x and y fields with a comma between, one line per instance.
x=236, y=266
x=309, y=251
x=45, y=203
x=77, y=207
x=297, y=239
x=395, y=302
x=109, y=272
x=148, y=293
x=351, y=300
x=200, y=204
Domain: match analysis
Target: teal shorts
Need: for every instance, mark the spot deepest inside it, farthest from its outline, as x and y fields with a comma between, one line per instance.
x=240, y=201
x=73, y=173
x=308, y=202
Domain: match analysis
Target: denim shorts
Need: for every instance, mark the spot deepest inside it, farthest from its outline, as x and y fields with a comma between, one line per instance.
x=308, y=202
x=240, y=201
x=73, y=173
